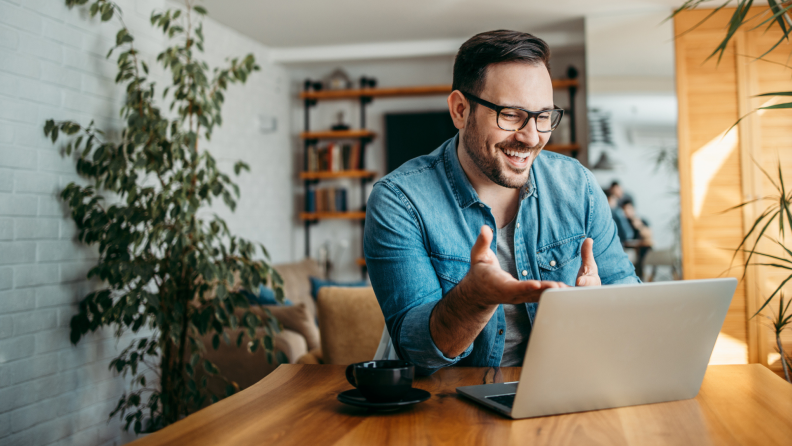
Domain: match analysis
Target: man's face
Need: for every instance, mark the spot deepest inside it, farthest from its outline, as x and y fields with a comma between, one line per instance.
x=505, y=157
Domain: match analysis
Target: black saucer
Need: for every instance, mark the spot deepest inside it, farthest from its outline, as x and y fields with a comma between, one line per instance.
x=355, y=398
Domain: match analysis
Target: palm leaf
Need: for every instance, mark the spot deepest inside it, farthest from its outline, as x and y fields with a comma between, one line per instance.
x=778, y=15
x=777, y=106
x=788, y=251
x=774, y=265
x=772, y=296
x=784, y=202
x=699, y=23
x=736, y=21
x=742, y=204
x=785, y=36
x=767, y=175
x=756, y=242
x=777, y=93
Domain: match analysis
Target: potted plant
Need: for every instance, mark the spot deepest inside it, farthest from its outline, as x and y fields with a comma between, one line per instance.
x=170, y=273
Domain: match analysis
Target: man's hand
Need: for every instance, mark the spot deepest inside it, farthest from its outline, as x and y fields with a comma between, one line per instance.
x=488, y=284
x=588, y=275
x=462, y=313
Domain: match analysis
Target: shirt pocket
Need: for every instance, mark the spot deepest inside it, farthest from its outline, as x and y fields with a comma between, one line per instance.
x=560, y=261
x=450, y=270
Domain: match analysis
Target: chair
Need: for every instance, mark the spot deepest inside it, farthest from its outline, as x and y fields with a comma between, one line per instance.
x=653, y=259
x=349, y=321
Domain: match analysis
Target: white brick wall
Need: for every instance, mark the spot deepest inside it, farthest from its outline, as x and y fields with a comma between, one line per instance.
x=52, y=66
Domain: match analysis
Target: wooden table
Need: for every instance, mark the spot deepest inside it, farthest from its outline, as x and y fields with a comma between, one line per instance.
x=296, y=404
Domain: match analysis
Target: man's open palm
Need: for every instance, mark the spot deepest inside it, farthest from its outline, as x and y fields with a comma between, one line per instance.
x=588, y=275
x=490, y=282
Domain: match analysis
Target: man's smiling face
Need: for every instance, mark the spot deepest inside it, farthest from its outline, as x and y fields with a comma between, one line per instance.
x=503, y=156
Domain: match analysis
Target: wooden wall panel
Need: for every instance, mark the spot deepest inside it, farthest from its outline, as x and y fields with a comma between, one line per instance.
x=710, y=165
x=772, y=145
x=718, y=170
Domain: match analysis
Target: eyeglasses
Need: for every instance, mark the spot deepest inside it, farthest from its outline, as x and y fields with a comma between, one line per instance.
x=514, y=119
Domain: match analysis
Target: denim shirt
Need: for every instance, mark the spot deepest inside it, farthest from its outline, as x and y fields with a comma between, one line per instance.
x=423, y=218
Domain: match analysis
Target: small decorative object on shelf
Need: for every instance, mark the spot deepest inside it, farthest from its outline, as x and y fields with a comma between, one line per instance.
x=337, y=80
x=340, y=125
x=367, y=82
x=312, y=85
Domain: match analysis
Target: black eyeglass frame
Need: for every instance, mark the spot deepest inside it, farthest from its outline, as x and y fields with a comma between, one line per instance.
x=531, y=114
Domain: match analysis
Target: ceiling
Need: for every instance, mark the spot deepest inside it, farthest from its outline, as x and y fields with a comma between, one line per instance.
x=301, y=23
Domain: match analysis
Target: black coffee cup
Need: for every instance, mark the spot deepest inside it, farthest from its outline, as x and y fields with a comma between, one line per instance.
x=382, y=381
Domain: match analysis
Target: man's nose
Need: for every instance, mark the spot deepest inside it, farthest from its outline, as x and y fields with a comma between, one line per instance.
x=528, y=135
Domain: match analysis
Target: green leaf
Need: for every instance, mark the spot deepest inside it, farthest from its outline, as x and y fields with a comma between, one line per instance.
x=215, y=341
x=777, y=93
x=199, y=9
x=777, y=106
x=210, y=368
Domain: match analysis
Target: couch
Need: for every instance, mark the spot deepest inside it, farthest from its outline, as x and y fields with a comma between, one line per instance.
x=299, y=337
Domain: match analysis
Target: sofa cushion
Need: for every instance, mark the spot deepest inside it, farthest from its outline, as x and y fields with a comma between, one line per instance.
x=265, y=296
x=317, y=284
x=295, y=318
x=296, y=285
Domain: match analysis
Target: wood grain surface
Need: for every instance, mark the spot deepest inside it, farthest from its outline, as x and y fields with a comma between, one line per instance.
x=297, y=405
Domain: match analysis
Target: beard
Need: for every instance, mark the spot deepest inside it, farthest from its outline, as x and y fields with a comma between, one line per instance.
x=491, y=165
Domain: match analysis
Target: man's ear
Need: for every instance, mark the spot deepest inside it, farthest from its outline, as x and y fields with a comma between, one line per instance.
x=459, y=107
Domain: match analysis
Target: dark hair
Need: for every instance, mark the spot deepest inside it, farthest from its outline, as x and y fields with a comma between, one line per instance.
x=625, y=202
x=615, y=183
x=491, y=47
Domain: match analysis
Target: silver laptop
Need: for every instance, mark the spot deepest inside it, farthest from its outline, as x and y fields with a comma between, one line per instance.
x=614, y=346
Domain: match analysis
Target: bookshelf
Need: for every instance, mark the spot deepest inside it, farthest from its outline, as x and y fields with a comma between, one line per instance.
x=348, y=215
x=341, y=174
x=337, y=134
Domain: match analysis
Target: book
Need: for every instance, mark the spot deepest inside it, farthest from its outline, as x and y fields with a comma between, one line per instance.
x=340, y=199
x=310, y=201
x=334, y=157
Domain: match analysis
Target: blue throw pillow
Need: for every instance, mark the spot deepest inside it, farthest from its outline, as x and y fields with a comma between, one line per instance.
x=317, y=284
x=265, y=296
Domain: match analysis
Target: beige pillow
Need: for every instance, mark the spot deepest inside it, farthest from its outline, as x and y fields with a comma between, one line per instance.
x=297, y=318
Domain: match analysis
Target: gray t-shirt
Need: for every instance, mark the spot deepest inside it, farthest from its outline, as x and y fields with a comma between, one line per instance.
x=518, y=325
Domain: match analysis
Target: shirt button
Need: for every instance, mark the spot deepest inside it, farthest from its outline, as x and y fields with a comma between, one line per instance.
x=518, y=225
x=525, y=273
x=552, y=263
x=500, y=332
x=481, y=205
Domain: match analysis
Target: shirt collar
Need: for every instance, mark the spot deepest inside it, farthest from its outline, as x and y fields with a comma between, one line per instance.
x=463, y=191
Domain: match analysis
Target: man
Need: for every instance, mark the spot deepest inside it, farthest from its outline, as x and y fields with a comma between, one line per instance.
x=623, y=227
x=461, y=243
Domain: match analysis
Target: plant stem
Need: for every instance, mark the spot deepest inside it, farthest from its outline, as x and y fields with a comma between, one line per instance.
x=182, y=341
x=783, y=357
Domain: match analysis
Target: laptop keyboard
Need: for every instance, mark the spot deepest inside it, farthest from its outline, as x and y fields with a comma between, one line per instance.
x=506, y=400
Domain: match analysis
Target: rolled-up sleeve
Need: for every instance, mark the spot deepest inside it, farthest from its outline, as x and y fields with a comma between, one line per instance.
x=403, y=277
x=612, y=262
